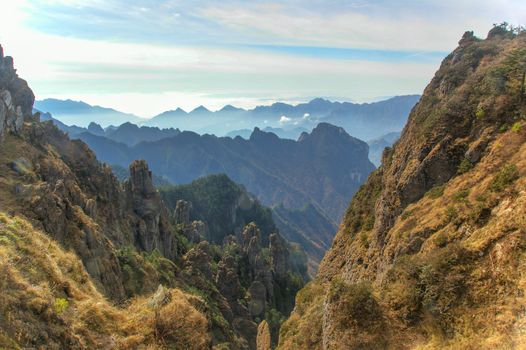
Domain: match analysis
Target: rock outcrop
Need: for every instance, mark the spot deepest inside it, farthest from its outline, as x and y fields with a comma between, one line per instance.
x=182, y=213
x=152, y=228
x=279, y=256
x=16, y=98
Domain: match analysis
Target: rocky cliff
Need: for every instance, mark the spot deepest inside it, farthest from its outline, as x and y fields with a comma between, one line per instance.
x=431, y=248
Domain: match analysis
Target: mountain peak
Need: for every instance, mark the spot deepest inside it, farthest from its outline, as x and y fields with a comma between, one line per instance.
x=95, y=128
x=230, y=108
x=200, y=109
x=328, y=129
x=319, y=101
x=259, y=135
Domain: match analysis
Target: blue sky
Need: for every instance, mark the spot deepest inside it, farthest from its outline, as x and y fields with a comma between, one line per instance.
x=146, y=56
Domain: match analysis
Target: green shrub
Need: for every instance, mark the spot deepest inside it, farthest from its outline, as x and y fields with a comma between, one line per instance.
x=435, y=192
x=406, y=214
x=441, y=280
x=464, y=166
x=461, y=195
x=60, y=305
x=355, y=303
x=364, y=239
x=480, y=114
x=451, y=213
x=368, y=223
x=506, y=176
x=516, y=127
x=503, y=128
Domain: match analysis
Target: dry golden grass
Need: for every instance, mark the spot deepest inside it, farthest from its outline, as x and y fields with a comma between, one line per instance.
x=46, y=297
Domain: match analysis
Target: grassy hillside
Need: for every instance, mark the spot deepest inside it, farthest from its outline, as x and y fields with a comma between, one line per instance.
x=47, y=297
x=431, y=252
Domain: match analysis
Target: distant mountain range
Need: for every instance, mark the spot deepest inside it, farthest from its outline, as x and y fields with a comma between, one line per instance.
x=81, y=114
x=365, y=121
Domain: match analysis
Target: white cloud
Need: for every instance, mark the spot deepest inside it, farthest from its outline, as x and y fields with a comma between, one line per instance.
x=423, y=25
x=284, y=120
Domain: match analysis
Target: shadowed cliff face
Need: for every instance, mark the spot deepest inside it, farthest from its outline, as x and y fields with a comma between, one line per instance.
x=416, y=250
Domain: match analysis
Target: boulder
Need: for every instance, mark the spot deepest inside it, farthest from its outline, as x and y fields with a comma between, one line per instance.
x=161, y=297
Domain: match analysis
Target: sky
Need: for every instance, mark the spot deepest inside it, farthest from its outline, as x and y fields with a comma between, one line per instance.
x=146, y=57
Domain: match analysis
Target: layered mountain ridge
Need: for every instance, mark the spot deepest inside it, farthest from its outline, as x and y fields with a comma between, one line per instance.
x=362, y=120
x=322, y=169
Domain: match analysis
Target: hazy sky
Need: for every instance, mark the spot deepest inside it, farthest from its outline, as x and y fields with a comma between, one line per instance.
x=146, y=56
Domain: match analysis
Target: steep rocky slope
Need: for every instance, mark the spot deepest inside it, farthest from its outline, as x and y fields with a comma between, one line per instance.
x=431, y=251
x=93, y=263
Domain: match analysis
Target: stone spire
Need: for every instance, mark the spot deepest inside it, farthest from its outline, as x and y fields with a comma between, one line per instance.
x=182, y=213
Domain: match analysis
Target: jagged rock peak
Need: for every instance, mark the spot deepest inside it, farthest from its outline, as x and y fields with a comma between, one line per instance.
x=182, y=212
x=259, y=135
x=95, y=128
x=250, y=234
x=141, y=177
x=16, y=98
x=328, y=129
x=467, y=38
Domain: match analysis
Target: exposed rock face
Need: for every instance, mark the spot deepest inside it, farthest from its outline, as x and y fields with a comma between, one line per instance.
x=259, y=267
x=227, y=279
x=182, y=213
x=11, y=117
x=198, y=259
x=415, y=252
x=153, y=230
x=16, y=98
x=279, y=255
